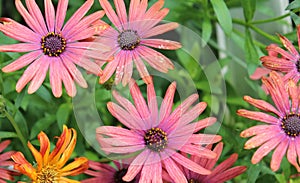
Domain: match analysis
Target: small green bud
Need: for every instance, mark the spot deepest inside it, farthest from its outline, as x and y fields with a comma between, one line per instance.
x=2, y=104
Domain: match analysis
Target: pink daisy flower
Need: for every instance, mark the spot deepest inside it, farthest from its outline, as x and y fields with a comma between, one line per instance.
x=106, y=173
x=219, y=174
x=53, y=46
x=284, y=61
x=5, y=162
x=282, y=129
x=131, y=39
x=155, y=136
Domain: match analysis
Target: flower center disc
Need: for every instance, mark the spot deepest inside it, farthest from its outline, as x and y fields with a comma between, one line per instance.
x=298, y=65
x=291, y=125
x=128, y=40
x=193, y=181
x=156, y=139
x=119, y=175
x=47, y=175
x=53, y=44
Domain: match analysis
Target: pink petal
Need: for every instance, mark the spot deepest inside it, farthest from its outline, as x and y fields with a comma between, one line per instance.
x=204, y=123
x=124, y=149
x=22, y=61
x=123, y=141
x=254, y=130
x=205, y=139
x=261, y=138
x=84, y=23
x=160, y=29
x=19, y=47
x=142, y=9
x=36, y=14
x=192, y=114
x=265, y=149
x=17, y=31
x=128, y=106
x=97, y=46
x=140, y=66
x=124, y=117
x=286, y=43
x=73, y=21
x=67, y=80
x=4, y=144
x=84, y=34
x=199, y=151
x=261, y=104
x=61, y=13
x=136, y=166
x=40, y=75
x=133, y=10
x=152, y=167
x=259, y=73
x=110, y=13
x=28, y=18
x=50, y=15
x=152, y=21
x=154, y=9
x=128, y=69
x=83, y=62
x=218, y=149
x=278, y=64
x=55, y=78
x=121, y=10
x=174, y=172
x=167, y=103
x=109, y=70
x=294, y=95
x=140, y=103
x=120, y=68
x=74, y=72
x=28, y=74
x=225, y=164
x=187, y=163
x=155, y=59
x=113, y=131
x=276, y=49
x=259, y=116
x=278, y=154
x=152, y=103
x=161, y=44
x=292, y=154
x=228, y=174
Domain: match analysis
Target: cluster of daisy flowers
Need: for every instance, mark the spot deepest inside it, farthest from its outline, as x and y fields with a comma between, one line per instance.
x=159, y=140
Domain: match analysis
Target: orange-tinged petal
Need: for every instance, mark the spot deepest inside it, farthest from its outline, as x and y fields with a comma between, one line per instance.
x=23, y=165
x=76, y=167
x=68, y=151
x=37, y=156
x=62, y=143
x=44, y=146
x=66, y=180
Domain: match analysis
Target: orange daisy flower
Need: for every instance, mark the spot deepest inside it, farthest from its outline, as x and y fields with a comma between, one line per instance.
x=50, y=166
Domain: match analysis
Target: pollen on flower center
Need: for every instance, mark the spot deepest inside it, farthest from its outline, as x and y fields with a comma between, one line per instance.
x=119, y=175
x=48, y=174
x=53, y=44
x=193, y=181
x=156, y=139
x=291, y=124
x=128, y=40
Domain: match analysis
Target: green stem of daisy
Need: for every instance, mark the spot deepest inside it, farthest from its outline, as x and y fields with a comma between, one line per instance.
x=18, y=131
x=271, y=19
x=257, y=30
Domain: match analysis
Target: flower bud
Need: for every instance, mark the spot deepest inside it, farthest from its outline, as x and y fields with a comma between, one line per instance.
x=2, y=104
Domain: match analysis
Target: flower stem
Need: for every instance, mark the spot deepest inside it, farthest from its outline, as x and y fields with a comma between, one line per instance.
x=271, y=19
x=19, y=133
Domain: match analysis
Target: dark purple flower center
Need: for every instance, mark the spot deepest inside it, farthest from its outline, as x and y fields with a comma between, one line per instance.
x=291, y=124
x=298, y=65
x=193, y=181
x=156, y=139
x=53, y=44
x=128, y=40
x=119, y=175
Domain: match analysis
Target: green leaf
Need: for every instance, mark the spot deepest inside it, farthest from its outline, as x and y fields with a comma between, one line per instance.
x=44, y=94
x=62, y=114
x=4, y=134
x=295, y=18
x=223, y=15
x=206, y=31
x=42, y=125
x=293, y=5
x=251, y=54
x=249, y=9
x=253, y=173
